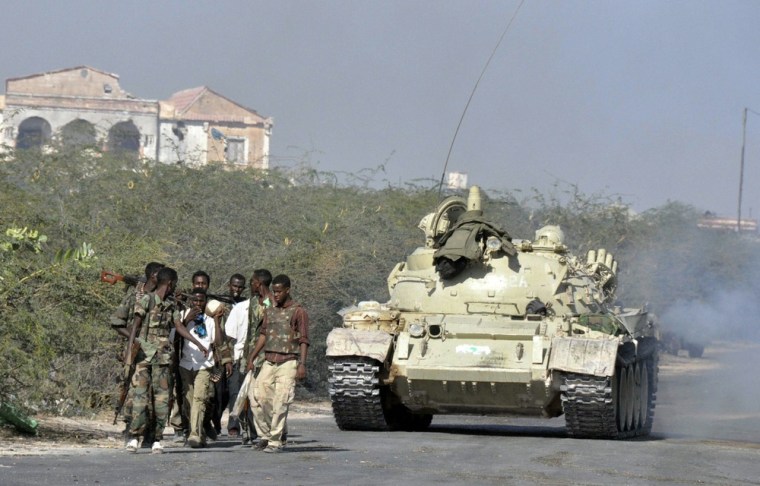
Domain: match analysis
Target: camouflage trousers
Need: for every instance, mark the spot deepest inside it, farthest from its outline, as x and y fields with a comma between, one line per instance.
x=127, y=407
x=152, y=385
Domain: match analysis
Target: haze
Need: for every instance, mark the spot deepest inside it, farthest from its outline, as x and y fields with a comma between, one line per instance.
x=641, y=100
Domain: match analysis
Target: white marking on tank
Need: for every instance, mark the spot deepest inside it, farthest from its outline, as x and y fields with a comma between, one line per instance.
x=517, y=280
x=472, y=349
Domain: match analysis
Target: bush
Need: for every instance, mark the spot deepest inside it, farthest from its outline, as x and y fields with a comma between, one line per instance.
x=337, y=243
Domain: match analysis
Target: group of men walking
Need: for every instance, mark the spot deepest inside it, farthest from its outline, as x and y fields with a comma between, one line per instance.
x=188, y=354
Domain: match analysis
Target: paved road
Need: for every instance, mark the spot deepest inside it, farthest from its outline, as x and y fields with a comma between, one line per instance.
x=707, y=431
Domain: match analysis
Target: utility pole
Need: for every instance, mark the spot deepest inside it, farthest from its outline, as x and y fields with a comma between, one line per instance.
x=741, y=173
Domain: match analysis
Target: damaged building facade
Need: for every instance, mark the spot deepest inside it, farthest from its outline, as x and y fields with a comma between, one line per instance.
x=86, y=107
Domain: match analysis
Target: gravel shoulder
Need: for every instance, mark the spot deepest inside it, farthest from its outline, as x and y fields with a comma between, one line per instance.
x=62, y=434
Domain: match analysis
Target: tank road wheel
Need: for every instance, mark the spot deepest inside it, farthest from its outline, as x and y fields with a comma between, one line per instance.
x=642, y=396
x=355, y=393
x=636, y=414
x=626, y=401
x=622, y=388
x=611, y=407
x=648, y=393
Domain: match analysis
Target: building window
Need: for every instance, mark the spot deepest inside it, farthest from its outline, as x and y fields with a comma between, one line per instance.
x=236, y=152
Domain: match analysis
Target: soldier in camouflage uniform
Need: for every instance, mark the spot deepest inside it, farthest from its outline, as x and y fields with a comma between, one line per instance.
x=155, y=316
x=284, y=339
x=122, y=319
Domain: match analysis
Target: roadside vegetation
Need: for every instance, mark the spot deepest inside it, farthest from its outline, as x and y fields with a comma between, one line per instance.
x=66, y=215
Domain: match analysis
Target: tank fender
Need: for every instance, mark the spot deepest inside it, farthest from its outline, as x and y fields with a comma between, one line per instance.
x=588, y=356
x=359, y=342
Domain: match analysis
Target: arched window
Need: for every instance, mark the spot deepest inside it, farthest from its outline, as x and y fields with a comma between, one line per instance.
x=124, y=137
x=79, y=133
x=33, y=132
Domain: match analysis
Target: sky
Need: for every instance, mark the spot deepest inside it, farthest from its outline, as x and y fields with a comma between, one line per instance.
x=641, y=101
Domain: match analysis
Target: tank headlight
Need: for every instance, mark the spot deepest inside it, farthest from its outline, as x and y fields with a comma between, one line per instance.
x=416, y=330
x=493, y=243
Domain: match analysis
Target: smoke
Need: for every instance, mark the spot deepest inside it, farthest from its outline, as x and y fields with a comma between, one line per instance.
x=706, y=292
x=713, y=397
x=725, y=315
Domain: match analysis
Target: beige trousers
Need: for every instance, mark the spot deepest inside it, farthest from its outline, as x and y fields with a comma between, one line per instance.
x=198, y=391
x=274, y=392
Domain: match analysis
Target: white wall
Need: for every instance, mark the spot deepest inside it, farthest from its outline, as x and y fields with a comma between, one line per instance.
x=192, y=149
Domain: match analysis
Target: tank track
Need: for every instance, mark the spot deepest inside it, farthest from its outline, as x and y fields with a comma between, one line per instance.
x=354, y=387
x=589, y=406
x=591, y=409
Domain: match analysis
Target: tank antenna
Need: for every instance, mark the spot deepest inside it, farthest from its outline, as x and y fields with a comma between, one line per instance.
x=451, y=147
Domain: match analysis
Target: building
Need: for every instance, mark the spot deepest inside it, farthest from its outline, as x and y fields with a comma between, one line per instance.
x=199, y=126
x=82, y=106
x=712, y=221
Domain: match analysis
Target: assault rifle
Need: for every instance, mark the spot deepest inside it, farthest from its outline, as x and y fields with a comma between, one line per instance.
x=129, y=370
x=110, y=277
x=185, y=295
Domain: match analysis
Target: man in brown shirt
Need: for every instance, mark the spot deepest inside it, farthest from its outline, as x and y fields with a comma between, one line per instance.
x=285, y=340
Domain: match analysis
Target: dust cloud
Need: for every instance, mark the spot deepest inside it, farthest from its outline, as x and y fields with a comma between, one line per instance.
x=725, y=315
x=715, y=396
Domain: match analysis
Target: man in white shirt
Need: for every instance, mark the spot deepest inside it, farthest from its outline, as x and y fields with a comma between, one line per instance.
x=242, y=327
x=196, y=369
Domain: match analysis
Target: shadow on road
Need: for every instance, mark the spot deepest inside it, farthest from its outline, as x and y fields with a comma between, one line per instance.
x=235, y=446
x=500, y=430
x=514, y=431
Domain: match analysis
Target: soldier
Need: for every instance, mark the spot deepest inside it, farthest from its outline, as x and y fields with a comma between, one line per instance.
x=285, y=340
x=242, y=327
x=121, y=322
x=155, y=316
x=123, y=316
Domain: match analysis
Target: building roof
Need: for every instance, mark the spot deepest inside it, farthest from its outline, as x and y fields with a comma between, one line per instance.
x=205, y=104
x=57, y=71
x=183, y=100
x=80, y=81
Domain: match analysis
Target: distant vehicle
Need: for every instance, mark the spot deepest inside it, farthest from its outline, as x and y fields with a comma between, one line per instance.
x=673, y=343
x=480, y=324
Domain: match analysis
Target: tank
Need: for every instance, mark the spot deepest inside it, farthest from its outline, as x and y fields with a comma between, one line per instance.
x=479, y=323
